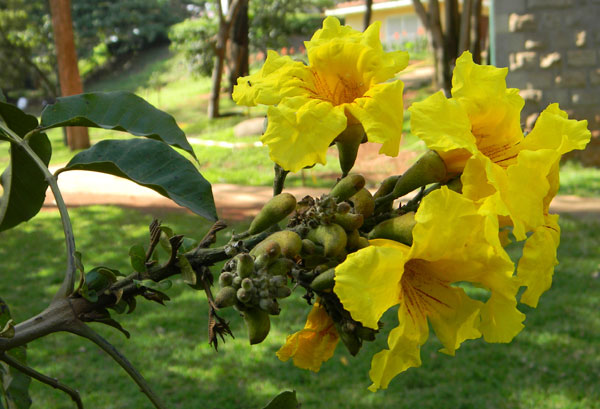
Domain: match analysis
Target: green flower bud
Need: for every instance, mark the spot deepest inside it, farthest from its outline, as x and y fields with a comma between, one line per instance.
x=347, y=187
x=281, y=267
x=244, y=265
x=353, y=242
x=278, y=281
x=363, y=202
x=274, y=211
x=349, y=221
x=247, y=284
x=269, y=253
x=258, y=324
x=344, y=207
x=332, y=237
x=397, y=229
x=309, y=247
x=225, y=279
x=236, y=282
x=324, y=281
x=270, y=306
x=243, y=295
x=283, y=292
x=225, y=297
x=289, y=242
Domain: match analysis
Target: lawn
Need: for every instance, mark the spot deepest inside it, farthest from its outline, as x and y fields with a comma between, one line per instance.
x=553, y=363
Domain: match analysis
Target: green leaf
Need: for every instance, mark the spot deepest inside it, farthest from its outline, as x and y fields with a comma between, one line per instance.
x=121, y=111
x=285, y=400
x=187, y=272
x=2, y=97
x=14, y=385
x=137, y=256
x=151, y=164
x=24, y=183
x=7, y=329
x=17, y=120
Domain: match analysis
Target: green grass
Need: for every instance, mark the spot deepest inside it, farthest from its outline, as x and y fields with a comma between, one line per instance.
x=553, y=363
x=578, y=180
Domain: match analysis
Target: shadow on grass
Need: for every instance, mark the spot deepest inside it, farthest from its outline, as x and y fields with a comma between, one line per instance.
x=553, y=363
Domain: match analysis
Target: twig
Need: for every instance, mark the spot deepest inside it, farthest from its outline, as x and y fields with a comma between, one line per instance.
x=86, y=332
x=43, y=378
x=68, y=284
x=279, y=180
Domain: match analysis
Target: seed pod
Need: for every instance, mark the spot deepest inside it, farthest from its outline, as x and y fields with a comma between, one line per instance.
x=258, y=324
x=226, y=297
x=225, y=279
x=324, y=281
x=332, y=237
x=349, y=221
x=289, y=242
x=247, y=284
x=363, y=203
x=283, y=292
x=347, y=187
x=274, y=211
x=280, y=267
x=244, y=265
x=353, y=240
x=397, y=229
x=269, y=253
x=243, y=295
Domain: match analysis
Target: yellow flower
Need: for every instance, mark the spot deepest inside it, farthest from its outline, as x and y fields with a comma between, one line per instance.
x=313, y=345
x=451, y=243
x=477, y=132
x=343, y=84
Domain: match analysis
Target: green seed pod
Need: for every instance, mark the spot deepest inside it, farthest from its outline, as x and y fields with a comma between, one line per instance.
x=244, y=265
x=332, y=237
x=310, y=247
x=324, y=281
x=274, y=211
x=289, y=242
x=226, y=297
x=280, y=267
x=353, y=240
x=268, y=254
x=258, y=324
x=398, y=229
x=363, y=203
x=349, y=221
x=243, y=295
x=225, y=279
x=347, y=187
x=247, y=284
x=283, y=292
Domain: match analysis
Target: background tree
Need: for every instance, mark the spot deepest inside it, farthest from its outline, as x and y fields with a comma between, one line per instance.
x=68, y=72
x=461, y=31
x=368, y=12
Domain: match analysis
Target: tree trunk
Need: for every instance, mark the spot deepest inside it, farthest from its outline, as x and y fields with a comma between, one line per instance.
x=465, y=27
x=476, y=31
x=220, y=49
x=70, y=81
x=368, y=12
x=239, y=54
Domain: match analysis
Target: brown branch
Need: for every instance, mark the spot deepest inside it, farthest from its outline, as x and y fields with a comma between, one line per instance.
x=42, y=378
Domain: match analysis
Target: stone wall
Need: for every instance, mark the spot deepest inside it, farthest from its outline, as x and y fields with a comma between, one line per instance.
x=552, y=49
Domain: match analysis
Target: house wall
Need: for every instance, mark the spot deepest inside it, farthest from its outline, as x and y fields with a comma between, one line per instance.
x=387, y=33
x=552, y=49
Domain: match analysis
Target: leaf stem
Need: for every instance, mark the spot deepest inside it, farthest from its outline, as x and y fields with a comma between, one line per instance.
x=86, y=332
x=43, y=378
x=69, y=281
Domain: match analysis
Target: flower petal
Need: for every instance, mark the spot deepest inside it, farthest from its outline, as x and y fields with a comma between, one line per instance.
x=313, y=345
x=380, y=113
x=300, y=130
x=367, y=282
x=536, y=266
x=501, y=321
